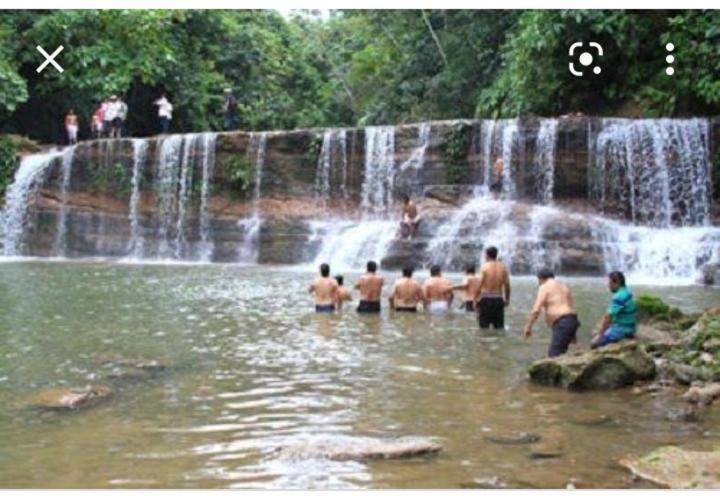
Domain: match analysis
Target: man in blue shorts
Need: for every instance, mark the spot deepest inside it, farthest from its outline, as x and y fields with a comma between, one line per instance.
x=620, y=320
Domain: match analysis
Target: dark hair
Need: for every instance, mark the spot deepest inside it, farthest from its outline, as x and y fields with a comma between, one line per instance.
x=406, y=198
x=435, y=270
x=324, y=270
x=491, y=252
x=372, y=266
x=470, y=269
x=340, y=280
x=407, y=271
x=545, y=274
x=617, y=277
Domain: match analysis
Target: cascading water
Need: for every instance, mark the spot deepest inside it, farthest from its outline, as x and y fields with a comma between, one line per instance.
x=60, y=247
x=166, y=182
x=656, y=172
x=190, y=144
x=334, y=147
x=378, y=185
x=544, y=161
x=416, y=160
x=136, y=244
x=208, y=167
x=249, y=249
x=28, y=178
x=498, y=139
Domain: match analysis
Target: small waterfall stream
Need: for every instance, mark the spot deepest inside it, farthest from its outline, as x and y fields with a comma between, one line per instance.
x=60, y=247
x=136, y=243
x=378, y=196
x=249, y=249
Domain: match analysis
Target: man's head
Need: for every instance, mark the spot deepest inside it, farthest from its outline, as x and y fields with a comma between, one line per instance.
x=491, y=253
x=470, y=269
x=406, y=199
x=544, y=274
x=435, y=271
x=71, y=111
x=227, y=91
x=324, y=270
x=113, y=97
x=407, y=271
x=616, y=280
x=371, y=266
x=340, y=280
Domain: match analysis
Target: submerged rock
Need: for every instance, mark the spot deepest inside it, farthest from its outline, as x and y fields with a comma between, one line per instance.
x=489, y=483
x=358, y=448
x=616, y=365
x=68, y=399
x=515, y=438
x=673, y=467
x=702, y=395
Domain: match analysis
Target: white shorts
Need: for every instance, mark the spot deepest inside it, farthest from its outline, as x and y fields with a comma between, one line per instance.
x=438, y=307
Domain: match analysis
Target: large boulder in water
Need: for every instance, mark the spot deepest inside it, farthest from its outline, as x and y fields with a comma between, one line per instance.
x=358, y=448
x=610, y=367
x=68, y=399
x=673, y=467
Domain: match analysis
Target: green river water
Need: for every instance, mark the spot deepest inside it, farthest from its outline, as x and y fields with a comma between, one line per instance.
x=253, y=369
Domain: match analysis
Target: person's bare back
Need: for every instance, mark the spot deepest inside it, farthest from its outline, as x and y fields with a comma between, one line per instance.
x=470, y=288
x=437, y=288
x=324, y=291
x=407, y=293
x=370, y=287
x=494, y=280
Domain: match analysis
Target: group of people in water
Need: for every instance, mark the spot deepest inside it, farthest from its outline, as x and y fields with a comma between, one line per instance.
x=485, y=292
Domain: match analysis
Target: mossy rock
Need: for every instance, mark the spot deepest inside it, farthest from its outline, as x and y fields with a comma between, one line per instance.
x=616, y=365
x=673, y=467
x=650, y=306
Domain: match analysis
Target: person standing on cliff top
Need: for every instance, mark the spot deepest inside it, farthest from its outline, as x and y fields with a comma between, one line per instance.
x=229, y=110
x=370, y=286
x=493, y=294
x=620, y=320
x=71, y=126
x=560, y=313
x=165, y=109
x=409, y=218
x=325, y=290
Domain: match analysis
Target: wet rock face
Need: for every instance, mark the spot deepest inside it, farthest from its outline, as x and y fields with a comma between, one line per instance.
x=610, y=367
x=673, y=467
x=358, y=448
x=69, y=399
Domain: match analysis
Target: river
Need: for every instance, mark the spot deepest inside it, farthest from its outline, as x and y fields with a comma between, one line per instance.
x=251, y=369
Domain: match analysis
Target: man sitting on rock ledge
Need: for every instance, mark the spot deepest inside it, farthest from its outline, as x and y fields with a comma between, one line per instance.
x=620, y=320
x=560, y=313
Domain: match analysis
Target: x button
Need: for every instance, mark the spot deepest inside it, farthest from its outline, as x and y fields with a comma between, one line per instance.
x=49, y=59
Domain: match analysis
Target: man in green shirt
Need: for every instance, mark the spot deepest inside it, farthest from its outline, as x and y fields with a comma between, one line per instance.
x=620, y=320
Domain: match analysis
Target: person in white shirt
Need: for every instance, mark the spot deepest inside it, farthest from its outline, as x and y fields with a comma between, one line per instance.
x=165, y=109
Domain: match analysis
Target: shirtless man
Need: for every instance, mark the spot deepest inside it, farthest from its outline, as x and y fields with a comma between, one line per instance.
x=469, y=288
x=406, y=292
x=498, y=169
x=560, y=313
x=343, y=294
x=493, y=294
x=325, y=290
x=437, y=292
x=370, y=286
x=410, y=219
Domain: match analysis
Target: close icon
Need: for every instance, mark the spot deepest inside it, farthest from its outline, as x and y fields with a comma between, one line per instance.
x=49, y=59
x=585, y=58
x=670, y=71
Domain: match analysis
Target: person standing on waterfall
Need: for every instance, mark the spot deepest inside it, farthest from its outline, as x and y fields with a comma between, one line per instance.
x=165, y=109
x=229, y=110
x=620, y=320
x=493, y=294
x=325, y=290
x=469, y=288
x=343, y=294
x=560, y=313
x=437, y=292
x=370, y=287
x=71, y=126
x=498, y=171
x=406, y=292
x=409, y=219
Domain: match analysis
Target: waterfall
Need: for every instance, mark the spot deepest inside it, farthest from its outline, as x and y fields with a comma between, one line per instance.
x=379, y=182
x=166, y=182
x=28, y=178
x=249, y=248
x=417, y=157
x=136, y=244
x=656, y=172
x=348, y=245
x=543, y=167
x=190, y=144
x=499, y=139
x=60, y=247
x=332, y=152
x=208, y=166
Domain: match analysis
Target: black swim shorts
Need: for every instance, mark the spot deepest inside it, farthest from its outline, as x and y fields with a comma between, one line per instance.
x=491, y=311
x=366, y=306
